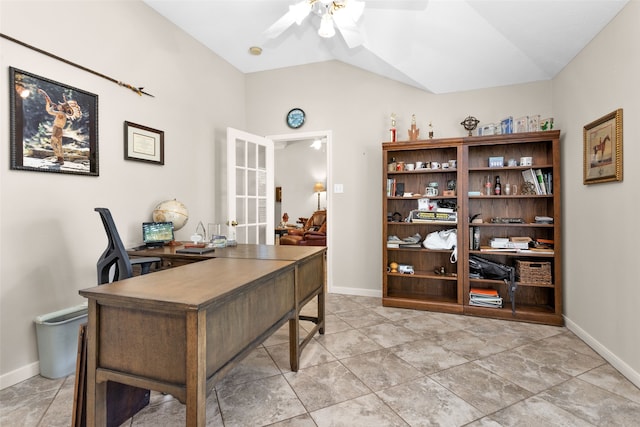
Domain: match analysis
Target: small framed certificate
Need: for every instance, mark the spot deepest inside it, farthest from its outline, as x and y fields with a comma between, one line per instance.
x=143, y=143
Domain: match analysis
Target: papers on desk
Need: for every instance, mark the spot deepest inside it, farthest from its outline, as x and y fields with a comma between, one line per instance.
x=192, y=250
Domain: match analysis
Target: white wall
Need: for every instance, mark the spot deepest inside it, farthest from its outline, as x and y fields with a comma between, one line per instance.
x=298, y=168
x=50, y=236
x=602, y=283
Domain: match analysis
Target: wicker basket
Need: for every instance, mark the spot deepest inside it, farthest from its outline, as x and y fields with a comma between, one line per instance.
x=533, y=272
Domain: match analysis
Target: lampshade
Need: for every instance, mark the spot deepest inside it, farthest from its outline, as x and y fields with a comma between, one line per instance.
x=318, y=187
x=326, y=27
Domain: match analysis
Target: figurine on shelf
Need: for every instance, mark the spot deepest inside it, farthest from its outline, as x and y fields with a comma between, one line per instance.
x=470, y=123
x=285, y=219
x=430, y=131
x=393, y=267
x=413, y=132
x=393, y=127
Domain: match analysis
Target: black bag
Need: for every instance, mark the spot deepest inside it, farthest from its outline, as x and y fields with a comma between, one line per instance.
x=487, y=269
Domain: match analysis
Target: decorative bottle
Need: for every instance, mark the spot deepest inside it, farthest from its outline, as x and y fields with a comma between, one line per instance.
x=487, y=186
x=498, y=188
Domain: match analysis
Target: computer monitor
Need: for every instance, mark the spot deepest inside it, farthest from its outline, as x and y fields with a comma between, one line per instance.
x=156, y=234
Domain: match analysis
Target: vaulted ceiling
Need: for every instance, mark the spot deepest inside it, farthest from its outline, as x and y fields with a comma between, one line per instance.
x=439, y=46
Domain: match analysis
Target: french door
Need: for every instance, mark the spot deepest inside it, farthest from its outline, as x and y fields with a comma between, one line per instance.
x=250, y=187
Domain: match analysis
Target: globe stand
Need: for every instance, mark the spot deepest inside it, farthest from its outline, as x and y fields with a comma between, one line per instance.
x=171, y=211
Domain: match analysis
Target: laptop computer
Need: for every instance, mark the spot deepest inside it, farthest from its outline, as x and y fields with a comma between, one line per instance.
x=157, y=234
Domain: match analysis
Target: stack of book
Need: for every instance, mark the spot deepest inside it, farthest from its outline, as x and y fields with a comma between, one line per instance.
x=509, y=243
x=542, y=181
x=438, y=216
x=482, y=297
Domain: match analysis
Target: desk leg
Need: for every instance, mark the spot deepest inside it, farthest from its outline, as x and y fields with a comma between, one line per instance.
x=294, y=342
x=321, y=307
x=96, y=403
x=196, y=387
x=294, y=325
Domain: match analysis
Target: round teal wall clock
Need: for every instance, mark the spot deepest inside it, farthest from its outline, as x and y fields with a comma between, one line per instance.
x=295, y=118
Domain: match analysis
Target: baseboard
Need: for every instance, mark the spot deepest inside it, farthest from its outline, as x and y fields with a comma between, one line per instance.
x=19, y=375
x=356, y=291
x=607, y=355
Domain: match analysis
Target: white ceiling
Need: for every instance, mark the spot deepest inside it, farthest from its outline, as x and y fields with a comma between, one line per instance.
x=437, y=45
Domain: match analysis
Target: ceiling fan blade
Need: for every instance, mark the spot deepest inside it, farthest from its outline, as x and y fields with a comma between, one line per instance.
x=348, y=28
x=297, y=13
x=398, y=4
x=280, y=25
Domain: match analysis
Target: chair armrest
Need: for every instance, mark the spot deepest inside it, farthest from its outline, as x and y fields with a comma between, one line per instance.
x=145, y=263
x=315, y=235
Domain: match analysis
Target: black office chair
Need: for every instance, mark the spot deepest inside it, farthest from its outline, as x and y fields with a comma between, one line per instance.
x=116, y=255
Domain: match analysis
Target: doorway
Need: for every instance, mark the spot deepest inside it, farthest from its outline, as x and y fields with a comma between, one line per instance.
x=306, y=138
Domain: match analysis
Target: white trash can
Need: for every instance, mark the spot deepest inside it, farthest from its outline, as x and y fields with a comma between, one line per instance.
x=57, y=335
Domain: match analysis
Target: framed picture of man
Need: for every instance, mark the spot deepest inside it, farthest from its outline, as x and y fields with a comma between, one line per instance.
x=54, y=127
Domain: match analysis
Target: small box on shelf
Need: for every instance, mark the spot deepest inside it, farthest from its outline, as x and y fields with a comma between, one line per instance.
x=496, y=162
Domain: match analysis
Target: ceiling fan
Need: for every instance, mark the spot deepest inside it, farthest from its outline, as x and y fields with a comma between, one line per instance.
x=343, y=13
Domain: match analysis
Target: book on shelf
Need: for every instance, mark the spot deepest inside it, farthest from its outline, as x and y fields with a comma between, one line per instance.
x=392, y=245
x=530, y=176
x=484, y=292
x=507, y=244
x=483, y=297
x=549, y=182
x=526, y=239
x=490, y=249
x=432, y=216
x=541, y=181
x=480, y=303
x=537, y=251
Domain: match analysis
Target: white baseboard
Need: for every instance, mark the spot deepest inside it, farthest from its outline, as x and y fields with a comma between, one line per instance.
x=19, y=375
x=607, y=355
x=356, y=291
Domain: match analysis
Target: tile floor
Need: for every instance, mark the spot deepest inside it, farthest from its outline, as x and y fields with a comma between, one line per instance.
x=378, y=366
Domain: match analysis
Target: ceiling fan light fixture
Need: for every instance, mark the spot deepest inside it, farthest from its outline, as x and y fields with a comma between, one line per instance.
x=326, y=26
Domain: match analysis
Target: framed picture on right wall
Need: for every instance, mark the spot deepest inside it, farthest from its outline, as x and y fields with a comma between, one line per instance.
x=603, y=149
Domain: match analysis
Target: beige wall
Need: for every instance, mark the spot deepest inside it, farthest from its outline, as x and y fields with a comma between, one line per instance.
x=356, y=105
x=50, y=236
x=298, y=168
x=602, y=283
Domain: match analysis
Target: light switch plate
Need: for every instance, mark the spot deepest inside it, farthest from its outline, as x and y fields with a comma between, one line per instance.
x=338, y=188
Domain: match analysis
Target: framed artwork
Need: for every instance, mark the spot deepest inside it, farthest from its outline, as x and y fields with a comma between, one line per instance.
x=54, y=126
x=603, y=149
x=143, y=144
x=521, y=124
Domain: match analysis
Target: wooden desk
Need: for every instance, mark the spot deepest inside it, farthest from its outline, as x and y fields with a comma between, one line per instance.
x=162, y=331
x=310, y=277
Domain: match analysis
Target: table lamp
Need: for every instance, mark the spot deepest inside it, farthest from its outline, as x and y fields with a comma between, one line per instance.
x=318, y=188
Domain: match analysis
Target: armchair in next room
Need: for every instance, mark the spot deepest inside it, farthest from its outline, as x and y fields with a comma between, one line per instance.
x=313, y=233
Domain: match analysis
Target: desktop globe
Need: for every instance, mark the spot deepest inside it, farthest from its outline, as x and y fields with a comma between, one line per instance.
x=173, y=211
